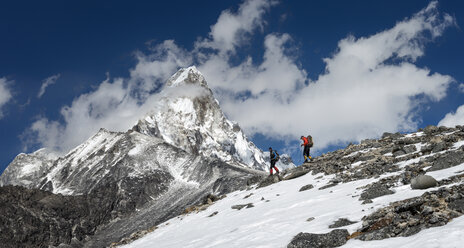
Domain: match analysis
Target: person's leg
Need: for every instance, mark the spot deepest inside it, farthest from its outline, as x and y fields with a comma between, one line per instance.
x=273, y=162
x=306, y=153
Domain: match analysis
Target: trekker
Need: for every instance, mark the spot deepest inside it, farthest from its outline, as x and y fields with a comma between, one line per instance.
x=307, y=143
x=274, y=158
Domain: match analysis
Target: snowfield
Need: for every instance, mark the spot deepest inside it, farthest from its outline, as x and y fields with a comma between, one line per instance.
x=281, y=211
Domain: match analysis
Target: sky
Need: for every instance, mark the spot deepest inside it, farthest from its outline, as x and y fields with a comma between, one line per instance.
x=342, y=71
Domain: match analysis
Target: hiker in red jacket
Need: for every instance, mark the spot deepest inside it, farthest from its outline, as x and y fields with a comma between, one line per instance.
x=274, y=156
x=307, y=143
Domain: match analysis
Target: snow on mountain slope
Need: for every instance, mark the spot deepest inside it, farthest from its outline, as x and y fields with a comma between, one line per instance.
x=26, y=168
x=189, y=117
x=282, y=210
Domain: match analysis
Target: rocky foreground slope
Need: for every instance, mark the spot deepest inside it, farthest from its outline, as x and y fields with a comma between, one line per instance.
x=366, y=195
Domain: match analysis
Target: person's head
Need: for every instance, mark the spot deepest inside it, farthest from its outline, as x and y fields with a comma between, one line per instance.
x=270, y=148
x=301, y=137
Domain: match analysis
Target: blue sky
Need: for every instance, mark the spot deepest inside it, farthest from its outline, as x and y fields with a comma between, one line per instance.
x=280, y=69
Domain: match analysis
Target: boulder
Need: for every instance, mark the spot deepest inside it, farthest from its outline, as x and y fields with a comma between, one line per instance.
x=375, y=191
x=306, y=187
x=335, y=238
x=423, y=182
x=269, y=180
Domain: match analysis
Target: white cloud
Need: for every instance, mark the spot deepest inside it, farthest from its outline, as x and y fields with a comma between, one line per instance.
x=231, y=29
x=461, y=88
x=453, y=119
x=5, y=94
x=47, y=82
x=361, y=94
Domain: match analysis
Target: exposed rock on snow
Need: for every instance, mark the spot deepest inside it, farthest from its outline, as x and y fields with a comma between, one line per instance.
x=240, y=206
x=335, y=238
x=269, y=180
x=423, y=182
x=408, y=217
x=306, y=187
x=341, y=222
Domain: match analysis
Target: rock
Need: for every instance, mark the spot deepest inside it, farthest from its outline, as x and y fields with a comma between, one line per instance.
x=306, y=187
x=367, y=201
x=410, y=149
x=310, y=219
x=295, y=174
x=375, y=191
x=240, y=206
x=248, y=196
x=457, y=205
x=213, y=214
x=328, y=186
x=391, y=135
x=423, y=182
x=447, y=160
x=438, y=147
x=335, y=238
x=36, y=218
x=269, y=180
x=408, y=217
x=341, y=222
x=430, y=130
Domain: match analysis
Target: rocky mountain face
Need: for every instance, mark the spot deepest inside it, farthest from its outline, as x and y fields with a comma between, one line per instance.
x=182, y=151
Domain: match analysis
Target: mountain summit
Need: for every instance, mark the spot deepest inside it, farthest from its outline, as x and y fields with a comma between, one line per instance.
x=189, y=117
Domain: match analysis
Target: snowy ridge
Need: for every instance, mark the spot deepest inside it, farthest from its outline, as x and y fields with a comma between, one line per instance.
x=26, y=168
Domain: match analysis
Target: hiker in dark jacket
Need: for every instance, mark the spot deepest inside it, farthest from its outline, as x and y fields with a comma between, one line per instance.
x=274, y=156
x=307, y=143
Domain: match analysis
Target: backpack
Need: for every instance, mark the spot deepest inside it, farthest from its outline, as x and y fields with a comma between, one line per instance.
x=310, y=141
x=277, y=156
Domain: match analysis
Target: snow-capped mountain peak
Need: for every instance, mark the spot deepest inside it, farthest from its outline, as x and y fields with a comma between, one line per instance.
x=189, y=117
x=186, y=76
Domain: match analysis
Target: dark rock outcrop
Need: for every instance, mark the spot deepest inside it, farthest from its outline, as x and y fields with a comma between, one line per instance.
x=306, y=187
x=408, y=217
x=36, y=218
x=335, y=238
x=375, y=191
